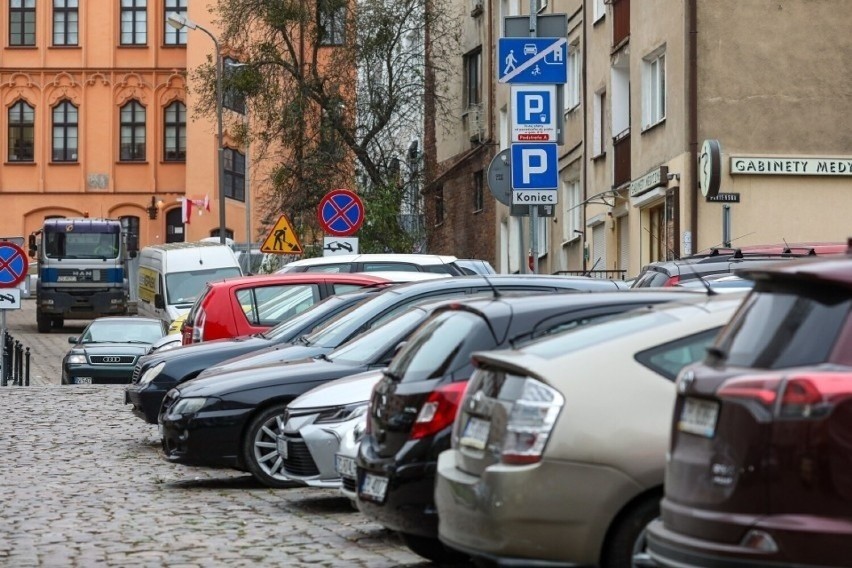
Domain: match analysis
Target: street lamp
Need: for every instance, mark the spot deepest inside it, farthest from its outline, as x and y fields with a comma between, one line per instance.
x=179, y=21
x=238, y=65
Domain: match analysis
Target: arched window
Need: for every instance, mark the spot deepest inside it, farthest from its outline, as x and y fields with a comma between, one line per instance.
x=175, y=132
x=64, y=132
x=21, y=132
x=132, y=132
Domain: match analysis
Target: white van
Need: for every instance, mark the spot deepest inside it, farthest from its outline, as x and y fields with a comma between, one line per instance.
x=172, y=275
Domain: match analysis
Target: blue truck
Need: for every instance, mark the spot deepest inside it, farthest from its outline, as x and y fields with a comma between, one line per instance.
x=82, y=270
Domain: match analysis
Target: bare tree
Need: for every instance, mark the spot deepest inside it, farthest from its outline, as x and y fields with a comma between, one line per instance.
x=335, y=90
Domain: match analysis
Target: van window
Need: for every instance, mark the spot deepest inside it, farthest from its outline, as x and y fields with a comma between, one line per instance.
x=183, y=287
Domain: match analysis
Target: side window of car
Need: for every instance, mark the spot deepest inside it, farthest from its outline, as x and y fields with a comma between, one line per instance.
x=330, y=268
x=433, y=297
x=389, y=266
x=670, y=358
x=340, y=288
x=270, y=305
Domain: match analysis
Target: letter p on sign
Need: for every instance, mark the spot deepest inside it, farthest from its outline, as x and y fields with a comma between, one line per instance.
x=534, y=162
x=534, y=166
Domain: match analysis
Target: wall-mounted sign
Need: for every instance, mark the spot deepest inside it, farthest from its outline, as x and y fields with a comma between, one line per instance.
x=790, y=166
x=710, y=168
x=654, y=178
x=724, y=198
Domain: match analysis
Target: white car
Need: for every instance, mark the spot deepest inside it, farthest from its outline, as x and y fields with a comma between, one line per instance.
x=378, y=263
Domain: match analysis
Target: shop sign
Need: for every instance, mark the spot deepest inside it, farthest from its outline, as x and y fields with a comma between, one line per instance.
x=654, y=178
x=791, y=166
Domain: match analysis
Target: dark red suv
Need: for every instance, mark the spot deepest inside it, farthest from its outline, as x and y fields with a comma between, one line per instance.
x=759, y=471
x=252, y=304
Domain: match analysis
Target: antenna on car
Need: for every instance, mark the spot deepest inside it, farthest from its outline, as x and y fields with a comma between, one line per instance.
x=668, y=250
x=787, y=248
x=710, y=291
x=492, y=286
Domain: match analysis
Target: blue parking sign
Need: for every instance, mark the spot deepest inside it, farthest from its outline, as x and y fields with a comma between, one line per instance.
x=534, y=107
x=534, y=113
x=534, y=166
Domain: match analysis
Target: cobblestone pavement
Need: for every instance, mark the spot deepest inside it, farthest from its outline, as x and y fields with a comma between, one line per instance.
x=82, y=483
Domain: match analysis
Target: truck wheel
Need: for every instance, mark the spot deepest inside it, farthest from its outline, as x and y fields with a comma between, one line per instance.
x=43, y=323
x=58, y=322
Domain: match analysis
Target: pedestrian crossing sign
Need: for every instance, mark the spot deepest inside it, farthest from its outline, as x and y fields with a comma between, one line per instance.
x=282, y=239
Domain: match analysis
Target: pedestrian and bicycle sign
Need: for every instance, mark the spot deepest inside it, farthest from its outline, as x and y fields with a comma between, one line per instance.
x=13, y=265
x=282, y=239
x=341, y=213
x=532, y=60
x=533, y=113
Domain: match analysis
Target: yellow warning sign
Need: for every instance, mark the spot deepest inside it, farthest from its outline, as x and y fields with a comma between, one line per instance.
x=282, y=239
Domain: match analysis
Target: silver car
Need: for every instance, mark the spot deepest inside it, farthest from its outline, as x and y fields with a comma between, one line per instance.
x=316, y=423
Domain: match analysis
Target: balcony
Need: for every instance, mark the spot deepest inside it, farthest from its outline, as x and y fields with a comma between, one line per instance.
x=621, y=149
x=620, y=22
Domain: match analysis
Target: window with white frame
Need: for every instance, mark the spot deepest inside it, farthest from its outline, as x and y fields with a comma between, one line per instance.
x=572, y=89
x=572, y=218
x=598, y=10
x=654, y=91
x=598, y=139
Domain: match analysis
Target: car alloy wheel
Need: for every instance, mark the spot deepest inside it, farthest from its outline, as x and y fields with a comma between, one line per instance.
x=626, y=543
x=260, y=448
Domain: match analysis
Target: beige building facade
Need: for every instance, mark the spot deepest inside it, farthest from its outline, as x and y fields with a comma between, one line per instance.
x=671, y=101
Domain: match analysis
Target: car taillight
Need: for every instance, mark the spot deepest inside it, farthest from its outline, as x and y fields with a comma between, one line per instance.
x=198, y=327
x=672, y=281
x=438, y=411
x=530, y=423
x=811, y=395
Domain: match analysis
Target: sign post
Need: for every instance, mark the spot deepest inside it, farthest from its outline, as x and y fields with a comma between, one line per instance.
x=13, y=270
x=340, y=214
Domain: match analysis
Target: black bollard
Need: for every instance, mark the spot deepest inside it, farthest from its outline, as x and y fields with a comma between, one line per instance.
x=27, y=372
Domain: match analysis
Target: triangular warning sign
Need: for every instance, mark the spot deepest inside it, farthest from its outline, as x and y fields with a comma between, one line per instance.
x=282, y=239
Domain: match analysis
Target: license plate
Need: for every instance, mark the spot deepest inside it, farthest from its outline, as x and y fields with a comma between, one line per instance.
x=66, y=279
x=345, y=466
x=698, y=417
x=374, y=487
x=475, y=433
x=83, y=380
x=282, y=448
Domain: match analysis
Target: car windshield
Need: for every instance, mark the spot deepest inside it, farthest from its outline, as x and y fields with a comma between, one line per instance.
x=316, y=314
x=183, y=287
x=578, y=338
x=366, y=348
x=122, y=331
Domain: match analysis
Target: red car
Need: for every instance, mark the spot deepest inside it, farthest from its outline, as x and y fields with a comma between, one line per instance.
x=759, y=471
x=252, y=304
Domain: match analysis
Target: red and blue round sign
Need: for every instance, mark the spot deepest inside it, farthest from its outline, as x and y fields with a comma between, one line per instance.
x=13, y=264
x=341, y=213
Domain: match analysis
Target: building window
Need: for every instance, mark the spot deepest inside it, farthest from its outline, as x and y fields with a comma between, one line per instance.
x=599, y=141
x=232, y=98
x=478, y=190
x=172, y=36
x=439, y=205
x=65, y=22
x=472, y=78
x=132, y=132
x=134, y=22
x=654, y=107
x=572, y=219
x=64, y=132
x=598, y=10
x=21, y=132
x=22, y=18
x=235, y=175
x=175, y=132
x=572, y=89
x=331, y=22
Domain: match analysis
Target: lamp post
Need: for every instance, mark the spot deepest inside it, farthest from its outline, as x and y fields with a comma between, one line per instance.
x=238, y=65
x=179, y=21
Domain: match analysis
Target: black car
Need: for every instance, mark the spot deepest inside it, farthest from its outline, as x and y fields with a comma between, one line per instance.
x=413, y=407
x=158, y=372
x=107, y=350
x=237, y=419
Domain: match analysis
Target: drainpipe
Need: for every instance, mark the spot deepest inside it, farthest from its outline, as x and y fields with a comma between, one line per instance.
x=692, y=112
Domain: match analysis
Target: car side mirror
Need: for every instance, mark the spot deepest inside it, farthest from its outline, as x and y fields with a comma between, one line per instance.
x=159, y=302
x=33, y=247
x=73, y=340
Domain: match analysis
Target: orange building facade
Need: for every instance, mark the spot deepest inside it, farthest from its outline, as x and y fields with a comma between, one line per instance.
x=97, y=120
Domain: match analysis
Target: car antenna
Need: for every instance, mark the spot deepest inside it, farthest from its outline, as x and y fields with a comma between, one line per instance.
x=786, y=246
x=492, y=286
x=668, y=249
x=710, y=291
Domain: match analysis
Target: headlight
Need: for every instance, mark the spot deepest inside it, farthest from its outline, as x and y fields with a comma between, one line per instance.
x=341, y=413
x=151, y=373
x=78, y=359
x=189, y=405
x=360, y=429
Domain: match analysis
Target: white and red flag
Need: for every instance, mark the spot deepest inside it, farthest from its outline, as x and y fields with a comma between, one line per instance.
x=188, y=204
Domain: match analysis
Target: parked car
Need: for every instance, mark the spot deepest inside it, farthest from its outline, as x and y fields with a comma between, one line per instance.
x=107, y=350
x=162, y=370
x=317, y=421
x=344, y=459
x=398, y=299
x=761, y=434
x=726, y=261
x=252, y=304
x=376, y=263
x=237, y=419
x=413, y=406
x=558, y=449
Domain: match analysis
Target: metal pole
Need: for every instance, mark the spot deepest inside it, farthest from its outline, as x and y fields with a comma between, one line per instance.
x=248, y=189
x=219, y=137
x=726, y=225
x=534, y=208
x=3, y=347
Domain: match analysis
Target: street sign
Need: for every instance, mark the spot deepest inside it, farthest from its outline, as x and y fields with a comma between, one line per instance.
x=534, y=166
x=533, y=113
x=335, y=246
x=532, y=60
x=282, y=239
x=13, y=265
x=341, y=213
x=10, y=299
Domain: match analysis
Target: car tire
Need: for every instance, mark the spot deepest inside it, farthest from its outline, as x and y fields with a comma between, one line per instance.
x=260, y=454
x=433, y=549
x=626, y=543
x=42, y=323
x=58, y=322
